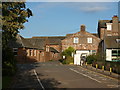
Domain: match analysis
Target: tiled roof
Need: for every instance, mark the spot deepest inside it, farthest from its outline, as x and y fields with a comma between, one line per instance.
x=19, y=42
x=35, y=42
x=53, y=50
x=51, y=40
x=110, y=42
x=102, y=23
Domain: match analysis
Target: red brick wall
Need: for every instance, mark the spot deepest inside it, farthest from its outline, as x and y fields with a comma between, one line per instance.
x=82, y=45
x=25, y=56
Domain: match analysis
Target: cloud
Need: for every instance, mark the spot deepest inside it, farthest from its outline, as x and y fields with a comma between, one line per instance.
x=93, y=9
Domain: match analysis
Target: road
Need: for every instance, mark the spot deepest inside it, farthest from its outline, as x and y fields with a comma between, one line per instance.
x=52, y=74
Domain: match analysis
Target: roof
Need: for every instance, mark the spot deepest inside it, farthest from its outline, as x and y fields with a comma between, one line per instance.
x=53, y=50
x=102, y=23
x=19, y=42
x=95, y=34
x=52, y=39
x=111, y=42
x=35, y=42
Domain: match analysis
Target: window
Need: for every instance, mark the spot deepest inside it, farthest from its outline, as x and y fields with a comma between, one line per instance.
x=31, y=52
x=118, y=40
x=75, y=40
x=15, y=50
x=35, y=52
x=47, y=48
x=93, y=51
x=115, y=52
x=109, y=26
x=89, y=40
x=109, y=35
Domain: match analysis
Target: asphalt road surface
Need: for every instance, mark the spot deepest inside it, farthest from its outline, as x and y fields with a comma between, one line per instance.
x=52, y=74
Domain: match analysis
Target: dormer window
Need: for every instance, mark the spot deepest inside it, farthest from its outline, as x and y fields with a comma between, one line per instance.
x=76, y=40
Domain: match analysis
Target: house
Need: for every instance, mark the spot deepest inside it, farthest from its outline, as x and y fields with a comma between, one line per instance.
x=112, y=48
x=50, y=48
x=83, y=42
x=109, y=33
x=36, y=48
x=109, y=27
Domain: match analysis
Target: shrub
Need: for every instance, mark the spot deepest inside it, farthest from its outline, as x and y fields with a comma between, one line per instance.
x=90, y=59
x=8, y=63
x=68, y=52
x=68, y=60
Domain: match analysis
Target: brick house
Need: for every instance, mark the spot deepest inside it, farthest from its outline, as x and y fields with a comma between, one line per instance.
x=109, y=33
x=36, y=49
x=109, y=27
x=83, y=42
x=49, y=48
x=112, y=50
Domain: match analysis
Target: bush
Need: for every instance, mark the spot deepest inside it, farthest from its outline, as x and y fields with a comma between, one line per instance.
x=8, y=62
x=68, y=52
x=68, y=60
x=90, y=59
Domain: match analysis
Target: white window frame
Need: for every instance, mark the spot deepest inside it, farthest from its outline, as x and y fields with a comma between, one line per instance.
x=47, y=48
x=89, y=40
x=109, y=26
x=35, y=52
x=75, y=40
x=15, y=50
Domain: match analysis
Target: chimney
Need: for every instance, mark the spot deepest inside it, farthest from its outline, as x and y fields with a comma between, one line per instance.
x=82, y=27
x=115, y=23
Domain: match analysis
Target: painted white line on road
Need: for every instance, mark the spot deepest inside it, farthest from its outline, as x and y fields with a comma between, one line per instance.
x=39, y=80
x=85, y=75
x=113, y=86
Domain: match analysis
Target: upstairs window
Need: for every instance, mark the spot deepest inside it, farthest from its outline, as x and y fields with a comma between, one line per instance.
x=109, y=26
x=89, y=40
x=15, y=50
x=76, y=40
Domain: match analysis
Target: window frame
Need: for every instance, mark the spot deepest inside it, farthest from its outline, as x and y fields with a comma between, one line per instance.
x=89, y=40
x=75, y=40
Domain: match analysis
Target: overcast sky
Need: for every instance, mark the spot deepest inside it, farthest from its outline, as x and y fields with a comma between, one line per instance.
x=61, y=18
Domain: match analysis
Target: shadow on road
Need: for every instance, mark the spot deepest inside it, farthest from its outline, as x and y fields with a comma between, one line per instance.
x=50, y=83
x=26, y=78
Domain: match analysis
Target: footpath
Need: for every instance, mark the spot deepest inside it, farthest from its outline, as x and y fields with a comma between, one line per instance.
x=103, y=72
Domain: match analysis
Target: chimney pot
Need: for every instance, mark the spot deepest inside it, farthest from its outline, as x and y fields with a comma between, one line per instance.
x=82, y=27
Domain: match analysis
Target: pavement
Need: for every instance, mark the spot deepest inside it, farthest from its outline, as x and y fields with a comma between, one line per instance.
x=102, y=72
x=52, y=74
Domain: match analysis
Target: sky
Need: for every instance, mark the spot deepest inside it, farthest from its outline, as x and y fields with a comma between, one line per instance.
x=61, y=18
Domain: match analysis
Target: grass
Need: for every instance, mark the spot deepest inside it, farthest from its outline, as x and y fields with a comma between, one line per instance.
x=6, y=81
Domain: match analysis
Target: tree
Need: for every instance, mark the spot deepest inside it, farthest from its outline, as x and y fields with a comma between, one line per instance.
x=68, y=54
x=68, y=51
x=14, y=15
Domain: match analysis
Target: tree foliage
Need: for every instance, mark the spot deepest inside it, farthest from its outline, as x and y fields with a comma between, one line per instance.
x=68, y=52
x=14, y=15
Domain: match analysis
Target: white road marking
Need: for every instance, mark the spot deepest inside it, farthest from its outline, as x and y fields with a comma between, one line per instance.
x=39, y=80
x=113, y=85
x=85, y=75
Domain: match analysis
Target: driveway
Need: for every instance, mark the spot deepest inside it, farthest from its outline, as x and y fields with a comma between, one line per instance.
x=52, y=74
